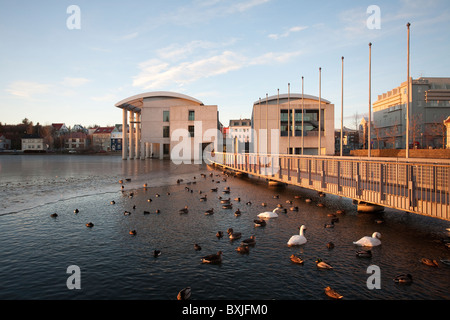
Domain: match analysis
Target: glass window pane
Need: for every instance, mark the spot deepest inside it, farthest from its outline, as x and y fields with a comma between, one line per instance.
x=166, y=116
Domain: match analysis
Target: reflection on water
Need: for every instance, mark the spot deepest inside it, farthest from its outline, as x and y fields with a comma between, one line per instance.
x=37, y=249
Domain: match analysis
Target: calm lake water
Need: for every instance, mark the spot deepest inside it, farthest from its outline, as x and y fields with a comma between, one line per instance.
x=36, y=249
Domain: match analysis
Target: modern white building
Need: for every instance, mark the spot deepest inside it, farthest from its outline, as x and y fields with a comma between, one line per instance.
x=166, y=124
x=32, y=143
x=290, y=124
x=240, y=129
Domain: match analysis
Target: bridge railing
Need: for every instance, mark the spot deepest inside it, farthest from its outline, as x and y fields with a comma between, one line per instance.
x=415, y=185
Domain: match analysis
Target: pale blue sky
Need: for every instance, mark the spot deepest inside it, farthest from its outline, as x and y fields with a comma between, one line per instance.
x=224, y=52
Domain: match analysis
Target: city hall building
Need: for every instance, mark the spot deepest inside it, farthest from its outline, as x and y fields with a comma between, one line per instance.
x=293, y=124
x=163, y=124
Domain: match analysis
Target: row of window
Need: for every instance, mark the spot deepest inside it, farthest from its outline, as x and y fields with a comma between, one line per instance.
x=294, y=127
x=166, y=116
x=166, y=131
x=32, y=146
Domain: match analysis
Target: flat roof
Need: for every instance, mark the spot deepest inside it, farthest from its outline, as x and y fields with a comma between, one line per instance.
x=135, y=103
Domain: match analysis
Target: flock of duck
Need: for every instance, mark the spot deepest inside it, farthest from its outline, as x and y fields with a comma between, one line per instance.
x=366, y=242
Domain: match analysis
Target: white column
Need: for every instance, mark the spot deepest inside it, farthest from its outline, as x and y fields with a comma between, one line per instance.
x=137, y=138
x=124, y=135
x=132, y=147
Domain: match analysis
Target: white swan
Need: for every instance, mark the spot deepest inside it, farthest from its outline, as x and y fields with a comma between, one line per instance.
x=269, y=214
x=297, y=239
x=367, y=241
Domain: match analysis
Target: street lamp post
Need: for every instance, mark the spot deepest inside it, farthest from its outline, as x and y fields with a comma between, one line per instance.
x=342, y=106
x=320, y=107
x=407, y=100
x=370, y=102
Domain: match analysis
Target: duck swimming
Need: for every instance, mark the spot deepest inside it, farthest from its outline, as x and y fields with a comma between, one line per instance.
x=429, y=262
x=197, y=247
x=323, y=265
x=364, y=254
x=156, y=253
x=54, y=215
x=219, y=234
x=213, y=258
x=184, y=294
x=372, y=241
x=132, y=232
x=89, y=224
x=249, y=242
x=184, y=210
x=332, y=293
x=233, y=235
x=210, y=211
x=259, y=223
x=243, y=249
x=297, y=239
x=329, y=225
x=237, y=213
x=403, y=278
x=296, y=259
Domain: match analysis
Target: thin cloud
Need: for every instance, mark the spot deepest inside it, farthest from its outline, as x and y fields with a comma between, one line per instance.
x=285, y=34
x=156, y=73
x=27, y=89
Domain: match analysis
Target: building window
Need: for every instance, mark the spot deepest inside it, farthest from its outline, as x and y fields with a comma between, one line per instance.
x=285, y=121
x=191, y=115
x=166, y=132
x=166, y=148
x=191, y=131
x=166, y=116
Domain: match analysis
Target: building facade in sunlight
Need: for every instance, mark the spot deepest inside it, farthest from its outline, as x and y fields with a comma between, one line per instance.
x=160, y=122
x=278, y=127
x=429, y=107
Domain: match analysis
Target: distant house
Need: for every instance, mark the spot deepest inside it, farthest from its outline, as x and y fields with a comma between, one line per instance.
x=76, y=140
x=59, y=129
x=240, y=129
x=79, y=128
x=116, y=138
x=33, y=143
x=101, y=138
x=5, y=144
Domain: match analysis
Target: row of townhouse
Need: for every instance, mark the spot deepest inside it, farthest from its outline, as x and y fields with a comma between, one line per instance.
x=97, y=139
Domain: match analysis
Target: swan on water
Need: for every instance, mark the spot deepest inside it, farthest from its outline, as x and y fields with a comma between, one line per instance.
x=297, y=239
x=269, y=214
x=367, y=241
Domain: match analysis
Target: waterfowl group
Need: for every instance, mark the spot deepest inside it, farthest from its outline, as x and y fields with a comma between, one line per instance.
x=429, y=262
